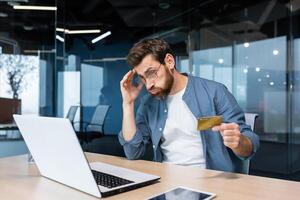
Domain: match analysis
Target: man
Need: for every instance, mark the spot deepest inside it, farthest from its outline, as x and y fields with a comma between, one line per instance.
x=168, y=115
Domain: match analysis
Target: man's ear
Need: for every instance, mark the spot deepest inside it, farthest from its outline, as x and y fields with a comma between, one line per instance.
x=170, y=61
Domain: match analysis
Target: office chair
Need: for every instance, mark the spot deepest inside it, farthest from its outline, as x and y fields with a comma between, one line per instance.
x=72, y=113
x=250, y=119
x=95, y=128
x=98, y=119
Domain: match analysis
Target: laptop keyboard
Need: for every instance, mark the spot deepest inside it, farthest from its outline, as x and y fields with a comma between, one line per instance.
x=108, y=180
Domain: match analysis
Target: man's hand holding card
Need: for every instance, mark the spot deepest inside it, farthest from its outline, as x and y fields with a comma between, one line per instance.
x=230, y=132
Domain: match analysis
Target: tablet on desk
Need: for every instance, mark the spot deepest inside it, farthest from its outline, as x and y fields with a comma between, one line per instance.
x=183, y=193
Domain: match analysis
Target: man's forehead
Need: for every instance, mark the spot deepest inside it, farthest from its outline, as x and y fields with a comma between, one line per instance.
x=147, y=62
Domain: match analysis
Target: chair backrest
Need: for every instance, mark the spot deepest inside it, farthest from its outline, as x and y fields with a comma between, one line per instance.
x=98, y=119
x=72, y=113
x=249, y=120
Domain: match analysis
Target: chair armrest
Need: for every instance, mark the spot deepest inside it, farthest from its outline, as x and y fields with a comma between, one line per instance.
x=91, y=124
x=79, y=122
x=94, y=124
x=82, y=125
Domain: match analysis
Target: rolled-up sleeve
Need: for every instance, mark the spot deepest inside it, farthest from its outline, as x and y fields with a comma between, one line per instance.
x=136, y=147
x=228, y=107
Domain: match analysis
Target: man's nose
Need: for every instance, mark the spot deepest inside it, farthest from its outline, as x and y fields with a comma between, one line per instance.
x=149, y=85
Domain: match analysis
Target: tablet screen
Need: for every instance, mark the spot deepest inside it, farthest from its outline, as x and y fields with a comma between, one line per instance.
x=182, y=193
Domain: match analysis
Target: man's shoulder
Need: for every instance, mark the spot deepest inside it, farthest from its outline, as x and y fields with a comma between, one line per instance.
x=202, y=82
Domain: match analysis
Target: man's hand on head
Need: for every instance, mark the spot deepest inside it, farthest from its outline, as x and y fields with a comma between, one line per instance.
x=128, y=90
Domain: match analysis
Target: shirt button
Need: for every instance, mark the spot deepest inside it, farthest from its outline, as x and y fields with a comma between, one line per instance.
x=160, y=129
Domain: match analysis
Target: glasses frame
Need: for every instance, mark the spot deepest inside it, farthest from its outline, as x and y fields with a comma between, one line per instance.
x=150, y=77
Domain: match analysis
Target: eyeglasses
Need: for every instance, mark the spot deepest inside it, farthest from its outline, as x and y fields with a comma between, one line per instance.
x=150, y=75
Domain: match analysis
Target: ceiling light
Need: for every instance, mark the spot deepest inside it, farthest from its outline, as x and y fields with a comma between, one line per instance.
x=271, y=83
x=101, y=37
x=67, y=31
x=164, y=5
x=221, y=60
x=112, y=59
x=2, y=14
x=245, y=71
x=39, y=51
x=28, y=28
x=60, y=29
x=60, y=38
x=82, y=31
x=268, y=76
x=257, y=69
x=246, y=44
x=47, y=8
x=13, y=3
x=259, y=80
x=275, y=52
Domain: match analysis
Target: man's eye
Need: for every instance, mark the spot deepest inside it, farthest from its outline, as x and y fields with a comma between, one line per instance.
x=142, y=78
x=150, y=73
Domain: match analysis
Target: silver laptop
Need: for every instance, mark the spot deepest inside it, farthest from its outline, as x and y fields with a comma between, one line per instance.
x=59, y=156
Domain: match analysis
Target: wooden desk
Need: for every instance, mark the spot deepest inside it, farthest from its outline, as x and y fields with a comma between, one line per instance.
x=20, y=180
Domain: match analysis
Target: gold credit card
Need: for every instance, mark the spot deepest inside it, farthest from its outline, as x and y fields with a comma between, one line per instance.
x=205, y=123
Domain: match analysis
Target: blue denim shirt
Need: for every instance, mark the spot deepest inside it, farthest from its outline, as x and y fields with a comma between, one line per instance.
x=204, y=98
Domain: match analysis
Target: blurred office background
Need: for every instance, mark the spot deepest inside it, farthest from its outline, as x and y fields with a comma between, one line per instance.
x=50, y=63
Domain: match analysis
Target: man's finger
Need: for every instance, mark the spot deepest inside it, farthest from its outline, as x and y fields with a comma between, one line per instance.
x=140, y=86
x=127, y=78
x=226, y=126
x=229, y=133
x=216, y=128
x=128, y=74
x=230, y=139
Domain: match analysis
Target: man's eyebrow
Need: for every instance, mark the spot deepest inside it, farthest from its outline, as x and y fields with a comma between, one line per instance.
x=139, y=75
x=149, y=69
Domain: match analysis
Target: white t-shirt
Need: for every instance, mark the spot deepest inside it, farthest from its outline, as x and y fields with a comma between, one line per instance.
x=181, y=142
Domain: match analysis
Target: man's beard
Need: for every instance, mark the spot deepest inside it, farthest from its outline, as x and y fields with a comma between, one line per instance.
x=163, y=92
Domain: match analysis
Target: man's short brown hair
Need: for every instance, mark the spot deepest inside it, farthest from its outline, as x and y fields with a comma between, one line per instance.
x=156, y=47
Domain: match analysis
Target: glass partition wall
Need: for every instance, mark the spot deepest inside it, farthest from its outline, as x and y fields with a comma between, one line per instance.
x=27, y=53
x=27, y=63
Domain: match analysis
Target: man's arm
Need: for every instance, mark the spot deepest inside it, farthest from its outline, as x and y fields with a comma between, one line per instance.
x=135, y=145
x=235, y=133
x=129, y=94
x=128, y=123
x=135, y=134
